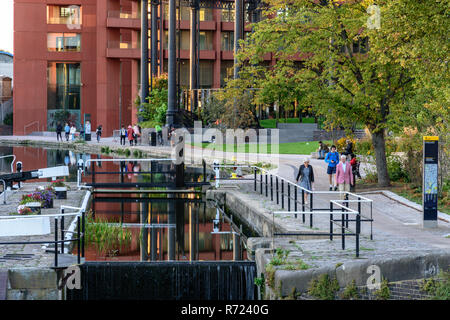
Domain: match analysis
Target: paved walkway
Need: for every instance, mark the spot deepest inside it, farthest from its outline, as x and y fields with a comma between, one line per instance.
x=392, y=218
x=38, y=256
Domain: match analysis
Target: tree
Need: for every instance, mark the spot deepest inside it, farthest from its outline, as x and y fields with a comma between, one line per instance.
x=154, y=111
x=350, y=72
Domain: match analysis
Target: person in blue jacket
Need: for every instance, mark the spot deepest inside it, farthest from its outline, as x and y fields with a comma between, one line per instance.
x=332, y=158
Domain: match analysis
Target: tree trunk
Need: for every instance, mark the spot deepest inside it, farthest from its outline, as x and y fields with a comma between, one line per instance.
x=379, y=144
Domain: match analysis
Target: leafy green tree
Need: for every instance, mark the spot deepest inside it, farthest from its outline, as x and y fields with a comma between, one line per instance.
x=352, y=71
x=153, y=111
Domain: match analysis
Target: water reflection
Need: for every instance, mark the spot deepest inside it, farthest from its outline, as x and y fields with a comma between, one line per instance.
x=178, y=228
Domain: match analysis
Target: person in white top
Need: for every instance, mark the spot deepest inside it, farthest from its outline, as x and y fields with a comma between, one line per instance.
x=73, y=130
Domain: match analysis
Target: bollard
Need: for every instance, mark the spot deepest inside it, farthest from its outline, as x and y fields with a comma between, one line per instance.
x=56, y=241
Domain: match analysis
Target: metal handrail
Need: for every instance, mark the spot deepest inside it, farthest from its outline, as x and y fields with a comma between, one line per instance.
x=12, y=163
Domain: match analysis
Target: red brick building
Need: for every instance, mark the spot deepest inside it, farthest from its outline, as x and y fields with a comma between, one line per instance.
x=83, y=56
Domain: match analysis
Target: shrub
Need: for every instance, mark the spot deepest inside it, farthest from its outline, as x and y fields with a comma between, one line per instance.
x=396, y=169
x=323, y=287
x=342, y=143
x=364, y=147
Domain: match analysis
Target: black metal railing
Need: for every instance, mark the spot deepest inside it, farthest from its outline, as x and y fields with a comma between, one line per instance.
x=59, y=234
x=274, y=186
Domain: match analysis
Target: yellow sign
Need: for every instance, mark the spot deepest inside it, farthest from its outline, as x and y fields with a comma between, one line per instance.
x=430, y=138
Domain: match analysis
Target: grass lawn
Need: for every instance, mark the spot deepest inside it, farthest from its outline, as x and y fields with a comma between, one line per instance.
x=284, y=148
x=271, y=123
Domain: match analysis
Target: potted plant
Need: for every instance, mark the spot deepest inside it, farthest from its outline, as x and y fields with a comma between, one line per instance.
x=60, y=189
x=32, y=202
x=22, y=210
x=47, y=196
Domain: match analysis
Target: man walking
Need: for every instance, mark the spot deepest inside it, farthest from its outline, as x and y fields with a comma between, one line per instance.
x=59, y=129
x=123, y=135
x=67, y=131
x=332, y=158
x=344, y=176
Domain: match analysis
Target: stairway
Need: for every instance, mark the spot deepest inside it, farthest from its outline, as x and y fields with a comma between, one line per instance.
x=296, y=132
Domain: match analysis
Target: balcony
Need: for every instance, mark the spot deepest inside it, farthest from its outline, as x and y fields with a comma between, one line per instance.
x=123, y=20
x=123, y=50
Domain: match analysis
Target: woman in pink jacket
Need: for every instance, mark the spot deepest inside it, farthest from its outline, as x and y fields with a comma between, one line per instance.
x=344, y=176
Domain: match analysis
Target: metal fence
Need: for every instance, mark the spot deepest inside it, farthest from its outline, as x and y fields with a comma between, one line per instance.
x=285, y=193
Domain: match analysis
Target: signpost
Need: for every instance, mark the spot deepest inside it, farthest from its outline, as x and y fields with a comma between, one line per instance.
x=430, y=181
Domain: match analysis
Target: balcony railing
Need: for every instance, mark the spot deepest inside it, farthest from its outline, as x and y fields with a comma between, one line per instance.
x=123, y=45
x=123, y=14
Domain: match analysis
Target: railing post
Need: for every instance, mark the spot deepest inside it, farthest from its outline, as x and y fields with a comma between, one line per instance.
x=289, y=196
x=254, y=172
x=276, y=180
x=311, y=206
x=56, y=241
x=346, y=215
x=78, y=241
x=282, y=193
x=83, y=230
x=93, y=172
x=303, y=205
x=271, y=188
x=358, y=226
x=343, y=231
x=331, y=221
x=295, y=199
x=266, y=185
x=62, y=230
x=260, y=183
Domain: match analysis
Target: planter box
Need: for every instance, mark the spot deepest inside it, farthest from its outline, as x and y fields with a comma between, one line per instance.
x=34, y=206
x=61, y=192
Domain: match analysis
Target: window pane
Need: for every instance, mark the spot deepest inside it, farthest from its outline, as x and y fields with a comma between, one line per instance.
x=227, y=41
x=60, y=42
x=64, y=14
x=206, y=40
x=206, y=74
x=63, y=86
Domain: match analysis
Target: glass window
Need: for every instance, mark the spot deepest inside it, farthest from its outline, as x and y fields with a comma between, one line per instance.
x=228, y=15
x=63, y=42
x=185, y=39
x=63, y=86
x=205, y=14
x=227, y=40
x=206, y=74
x=64, y=14
x=185, y=13
x=205, y=40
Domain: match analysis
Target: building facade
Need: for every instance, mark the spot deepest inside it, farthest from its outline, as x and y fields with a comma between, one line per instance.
x=80, y=59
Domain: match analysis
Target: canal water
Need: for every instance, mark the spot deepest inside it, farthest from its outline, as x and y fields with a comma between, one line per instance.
x=139, y=226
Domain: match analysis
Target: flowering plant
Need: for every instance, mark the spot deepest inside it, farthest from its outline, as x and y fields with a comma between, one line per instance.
x=58, y=183
x=24, y=211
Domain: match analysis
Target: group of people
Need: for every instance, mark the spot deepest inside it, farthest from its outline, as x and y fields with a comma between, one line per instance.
x=70, y=131
x=341, y=172
x=132, y=133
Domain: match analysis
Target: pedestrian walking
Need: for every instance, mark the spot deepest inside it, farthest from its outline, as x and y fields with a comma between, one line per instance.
x=344, y=176
x=332, y=158
x=323, y=150
x=348, y=148
x=87, y=131
x=98, y=132
x=306, y=176
x=159, y=134
x=59, y=129
x=355, y=170
x=130, y=135
x=67, y=131
x=72, y=131
x=135, y=134
x=123, y=135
